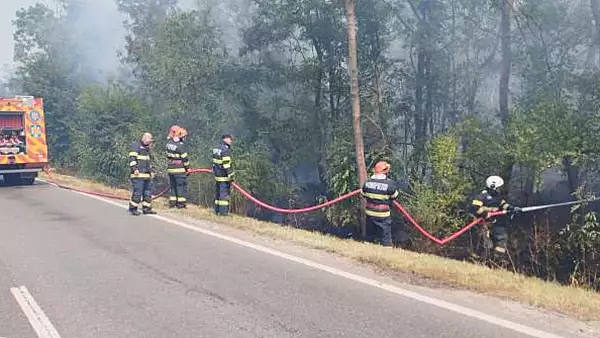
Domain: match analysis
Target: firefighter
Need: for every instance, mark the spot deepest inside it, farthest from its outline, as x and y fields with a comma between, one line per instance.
x=178, y=165
x=379, y=192
x=490, y=200
x=141, y=176
x=221, y=159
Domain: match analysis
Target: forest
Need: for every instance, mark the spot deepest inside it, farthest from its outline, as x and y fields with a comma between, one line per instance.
x=448, y=91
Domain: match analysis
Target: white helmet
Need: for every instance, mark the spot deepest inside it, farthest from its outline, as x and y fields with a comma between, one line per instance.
x=494, y=182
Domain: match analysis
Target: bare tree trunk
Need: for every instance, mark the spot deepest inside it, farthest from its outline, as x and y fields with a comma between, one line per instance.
x=596, y=14
x=503, y=88
x=320, y=120
x=421, y=85
x=358, y=136
x=572, y=173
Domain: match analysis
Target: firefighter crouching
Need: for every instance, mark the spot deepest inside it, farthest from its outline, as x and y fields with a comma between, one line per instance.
x=177, y=166
x=490, y=200
x=221, y=159
x=379, y=192
x=141, y=176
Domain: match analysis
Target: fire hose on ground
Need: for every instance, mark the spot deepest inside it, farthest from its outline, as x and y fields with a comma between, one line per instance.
x=341, y=198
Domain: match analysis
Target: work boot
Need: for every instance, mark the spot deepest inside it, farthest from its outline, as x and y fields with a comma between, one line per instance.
x=134, y=212
x=149, y=211
x=500, y=255
x=181, y=206
x=499, y=250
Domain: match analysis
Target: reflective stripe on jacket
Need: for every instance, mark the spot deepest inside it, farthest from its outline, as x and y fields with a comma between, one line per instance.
x=486, y=202
x=139, y=159
x=379, y=192
x=177, y=157
x=221, y=163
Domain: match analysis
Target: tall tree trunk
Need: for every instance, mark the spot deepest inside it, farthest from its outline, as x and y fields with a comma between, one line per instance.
x=596, y=14
x=358, y=135
x=503, y=88
x=572, y=173
x=320, y=120
x=421, y=83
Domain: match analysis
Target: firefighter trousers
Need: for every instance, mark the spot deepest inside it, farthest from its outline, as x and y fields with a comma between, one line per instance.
x=382, y=228
x=499, y=233
x=179, y=190
x=141, y=194
x=222, y=194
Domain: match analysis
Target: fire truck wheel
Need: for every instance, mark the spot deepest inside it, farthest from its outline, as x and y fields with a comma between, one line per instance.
x=12, y=179
x=27, y=180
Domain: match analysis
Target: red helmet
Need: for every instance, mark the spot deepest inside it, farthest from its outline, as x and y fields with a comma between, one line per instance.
x=172, y=131
x=382, y=167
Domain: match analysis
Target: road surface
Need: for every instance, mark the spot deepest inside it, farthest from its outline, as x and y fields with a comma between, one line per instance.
x=91, y=270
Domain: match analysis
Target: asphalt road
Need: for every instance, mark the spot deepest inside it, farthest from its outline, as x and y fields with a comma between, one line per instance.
x=95, y=271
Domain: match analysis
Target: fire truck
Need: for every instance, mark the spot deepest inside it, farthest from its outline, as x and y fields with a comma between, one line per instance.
x=23, y=147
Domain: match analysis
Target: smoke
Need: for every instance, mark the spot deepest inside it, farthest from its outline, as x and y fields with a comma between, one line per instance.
x=230, y=17
x=97, y=26
x=100, y=35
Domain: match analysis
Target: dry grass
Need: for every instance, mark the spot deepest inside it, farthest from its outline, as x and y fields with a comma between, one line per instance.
x=581, y=303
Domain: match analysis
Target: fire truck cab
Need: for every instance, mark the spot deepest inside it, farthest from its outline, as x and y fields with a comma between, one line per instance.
x=23, y=147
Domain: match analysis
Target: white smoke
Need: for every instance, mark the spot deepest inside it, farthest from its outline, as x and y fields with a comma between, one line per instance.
x=99, y=30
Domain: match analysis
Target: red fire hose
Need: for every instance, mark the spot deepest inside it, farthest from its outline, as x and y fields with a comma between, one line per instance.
x=262, y=204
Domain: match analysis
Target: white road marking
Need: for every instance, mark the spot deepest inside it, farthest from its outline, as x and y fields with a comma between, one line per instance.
x=38, y=320
x=360, y=279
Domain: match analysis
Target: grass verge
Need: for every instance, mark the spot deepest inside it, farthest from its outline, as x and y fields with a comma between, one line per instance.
x=583, y=304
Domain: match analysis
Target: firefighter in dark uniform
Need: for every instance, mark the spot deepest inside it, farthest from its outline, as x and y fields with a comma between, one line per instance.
x=379, y=192
x=178, y=165
x=490, y=200
x=141, y=176
x=221, y=159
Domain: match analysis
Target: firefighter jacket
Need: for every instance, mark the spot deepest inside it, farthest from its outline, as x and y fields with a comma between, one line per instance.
x=221, y=159
x=379, y=191
x=139, y=159
x=485, y=202
x=177, y=157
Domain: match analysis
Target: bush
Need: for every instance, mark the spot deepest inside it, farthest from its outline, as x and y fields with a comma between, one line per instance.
x=438, y=202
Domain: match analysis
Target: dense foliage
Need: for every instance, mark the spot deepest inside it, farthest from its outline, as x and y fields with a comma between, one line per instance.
x=451, y=91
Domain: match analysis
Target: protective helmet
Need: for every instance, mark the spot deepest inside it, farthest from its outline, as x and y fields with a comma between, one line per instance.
x=494, y=182
x=382, y=167
x=181, y=132
x=172, y=131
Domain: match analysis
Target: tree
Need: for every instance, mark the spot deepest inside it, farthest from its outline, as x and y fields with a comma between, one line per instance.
x=504, y=84
x=595, y=5
x=48, y=67
x=358, y=135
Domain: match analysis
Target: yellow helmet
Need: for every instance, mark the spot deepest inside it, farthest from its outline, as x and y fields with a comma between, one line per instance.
x=181, y=132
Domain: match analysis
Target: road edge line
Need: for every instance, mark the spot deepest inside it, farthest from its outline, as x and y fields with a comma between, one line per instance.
x=507, y=324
